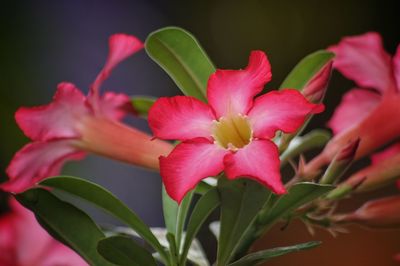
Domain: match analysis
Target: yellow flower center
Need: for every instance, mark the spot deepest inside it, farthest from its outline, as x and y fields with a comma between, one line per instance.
x=233, y=132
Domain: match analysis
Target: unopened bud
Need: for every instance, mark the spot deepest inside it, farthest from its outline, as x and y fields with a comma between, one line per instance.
x=340, y=163
x=381, y=213
x=315, y=89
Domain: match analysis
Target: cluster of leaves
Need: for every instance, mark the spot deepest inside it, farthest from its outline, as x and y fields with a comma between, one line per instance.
x=247, y=209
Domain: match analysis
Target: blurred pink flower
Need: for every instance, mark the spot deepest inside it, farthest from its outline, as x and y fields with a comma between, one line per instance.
x=74, y=124
x=365, y=112
x=232, y=133
x=23, y=242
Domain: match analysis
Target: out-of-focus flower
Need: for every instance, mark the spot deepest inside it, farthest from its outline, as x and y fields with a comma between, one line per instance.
x=232, y=133
x=385, y=169
x=23, y=242
x=74, y=124
x=364, y=111
x=380, y=213
x=397, y=257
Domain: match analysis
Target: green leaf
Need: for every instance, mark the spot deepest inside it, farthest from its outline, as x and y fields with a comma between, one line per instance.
x=181, y=219
x=142, y=104
x=182, y=57
x=65, y=222
x=297, y=196
x=264, y=255
x=315, y=139
x=204, y=207
x=241, y=200
x=123, y=251
x=306, y=69
x=106, y=200
x=170, y=211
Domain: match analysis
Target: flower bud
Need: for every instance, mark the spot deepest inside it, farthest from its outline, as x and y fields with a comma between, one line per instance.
x=381, y=213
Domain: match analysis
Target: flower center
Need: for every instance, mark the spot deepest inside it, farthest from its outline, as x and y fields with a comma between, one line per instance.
x=233, y=132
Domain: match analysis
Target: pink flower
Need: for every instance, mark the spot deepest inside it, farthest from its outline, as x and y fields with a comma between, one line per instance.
x=232, y=133
x=365, y=110
x=74, y=124
x=23, y=242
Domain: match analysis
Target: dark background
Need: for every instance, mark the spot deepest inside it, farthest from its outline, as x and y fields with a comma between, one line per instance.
x=45, y=42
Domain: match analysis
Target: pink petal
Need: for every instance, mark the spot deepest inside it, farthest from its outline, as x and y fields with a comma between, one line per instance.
x=315, y=89
x=258, y=160
x=58, y=119
x=356, y=104
x=121, y=46
x=115, y=105
x=31, y=244
x=387, y=153
x=7, y=240
x=180, y=117
x=58, y=254
x=189, y=163
x=232, y=91
x=37, y=161
x=284, y=110
x=363, y=59
x=396, y=67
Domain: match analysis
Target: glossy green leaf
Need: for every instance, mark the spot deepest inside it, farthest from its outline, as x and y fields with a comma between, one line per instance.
x=315, y=139
x=66, y=222
x=264, y=255
x=182, y=57
x=297, y=196
x=170, y=211
x=241, y=200
x=183, y=210
x=306, y=69
x=123, y=251
x=106, y=200
x=204, y=207
x=142, y=104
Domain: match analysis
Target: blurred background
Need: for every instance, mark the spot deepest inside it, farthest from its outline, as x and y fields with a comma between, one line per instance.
x=45, y=42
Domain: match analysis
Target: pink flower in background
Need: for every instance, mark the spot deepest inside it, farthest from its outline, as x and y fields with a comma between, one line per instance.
x=370, y=111
x=232, y=133
x=23, y=242
x=74, y=124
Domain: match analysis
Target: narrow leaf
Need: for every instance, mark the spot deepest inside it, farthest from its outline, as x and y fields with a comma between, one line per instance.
x=66, y=222
x=264, y=255
x=315, y=139
x=182, y=57
x=306, y=69
x=106, y=200
x=297, y=196
x=204, y=207
x=123, y=251
x=241, y=200
x=170, y=211
x=142, y=104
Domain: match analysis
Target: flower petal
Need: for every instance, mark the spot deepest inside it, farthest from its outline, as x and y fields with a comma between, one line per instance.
x=284, y=110
x=189, y=163
x=115, y=105
x=232, y=91
x=37, y=161
x=387, y=153
x=396, y=67
x=258, y=160
x=356, y=104
x=363, y=59
x=58, y=254
x=57, y=119
x=121, y=46
x=180, y=117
